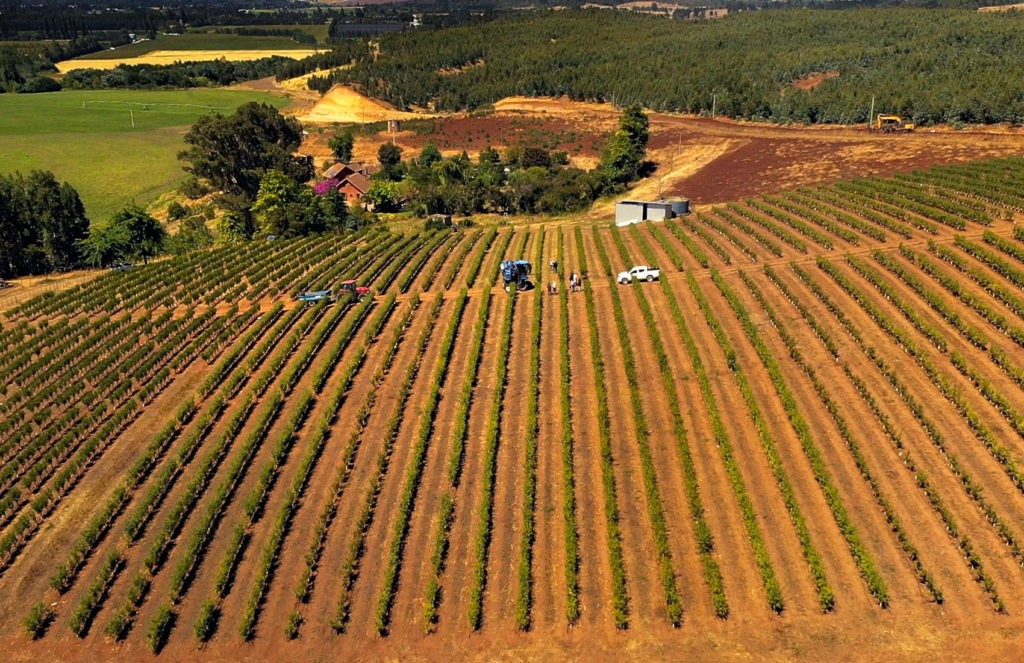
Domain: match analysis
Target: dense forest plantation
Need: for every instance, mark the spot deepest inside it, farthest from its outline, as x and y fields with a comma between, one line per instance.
x=929, y=65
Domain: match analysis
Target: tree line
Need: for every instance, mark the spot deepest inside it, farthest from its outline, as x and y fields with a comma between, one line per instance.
x=525, y=180
x=930, y=66
x=212, y=73
x=246, y=157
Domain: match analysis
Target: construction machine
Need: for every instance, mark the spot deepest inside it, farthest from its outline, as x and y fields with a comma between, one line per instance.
x=891, y=124
x=516, y=272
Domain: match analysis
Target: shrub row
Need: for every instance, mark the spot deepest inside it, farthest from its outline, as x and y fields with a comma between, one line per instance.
x=833, y=409
x=430, y=248
x=745, y=228
x=861, y=555
x=655, y=508
x=808, y=203
x=417, y=462
x=701, y=527
x=443, y=252
x=240, y=347
x=796, y=224
x=941, y=381
x=803, y=212
x=474, y=267
x=673, y=254
x=272, y=548
x=344, y=338
x=357, y=545
x=972, y=489
x=63, y=578
x=205, y=530
x=862, y=192
x=304, y=588
x=978, y=304
x=460, y=257
x=826, y=595
x=892, y=518
x=82, y=616
x=492, y=438
x=981, y=277
x=572, y=536
x=845, y=201
x=620, y=599
x=767, y=224
x=454, y=463
x=882, y=191
x=933, y=299
x=889, y=293
x=773, y=591
x=524, y=599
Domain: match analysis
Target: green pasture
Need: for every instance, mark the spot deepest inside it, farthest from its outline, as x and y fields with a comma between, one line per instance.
x=199, y=41
x=86, y=138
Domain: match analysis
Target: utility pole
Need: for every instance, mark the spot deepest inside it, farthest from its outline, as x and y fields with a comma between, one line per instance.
x=871, y=113
x=714, y=104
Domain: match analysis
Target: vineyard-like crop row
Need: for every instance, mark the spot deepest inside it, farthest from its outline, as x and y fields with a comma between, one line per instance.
x=193, y=460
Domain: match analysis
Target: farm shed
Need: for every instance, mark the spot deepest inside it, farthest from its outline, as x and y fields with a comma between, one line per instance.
x=633, y=211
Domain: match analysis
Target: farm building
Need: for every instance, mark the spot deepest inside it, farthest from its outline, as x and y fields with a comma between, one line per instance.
x=632, y=211
x=353, y=179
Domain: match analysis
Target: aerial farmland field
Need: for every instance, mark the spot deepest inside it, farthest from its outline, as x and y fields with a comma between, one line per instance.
x=804, y=440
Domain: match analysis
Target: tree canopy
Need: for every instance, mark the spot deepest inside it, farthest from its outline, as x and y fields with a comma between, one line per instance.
x=341, y=145
x=234, y=152
x=42, y=222
x=287, y=208
x=928, y=65
x=526, y=179
x=132, y=234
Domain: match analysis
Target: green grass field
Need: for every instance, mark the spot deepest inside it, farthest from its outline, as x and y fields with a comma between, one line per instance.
x=199, y=41
x=86, y=138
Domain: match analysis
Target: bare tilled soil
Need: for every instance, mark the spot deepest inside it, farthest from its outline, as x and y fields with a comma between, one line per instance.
x=855, y=448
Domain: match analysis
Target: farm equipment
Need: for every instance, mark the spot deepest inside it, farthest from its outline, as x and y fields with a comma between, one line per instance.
x=357, y=291
x=516, y=272
x=315, y=296
x=5, y=284
x=891, y=124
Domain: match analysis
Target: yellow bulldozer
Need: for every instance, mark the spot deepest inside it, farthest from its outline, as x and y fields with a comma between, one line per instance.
x=891, y=124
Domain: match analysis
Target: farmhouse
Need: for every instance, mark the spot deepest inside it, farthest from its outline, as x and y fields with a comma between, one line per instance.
x=353, y=179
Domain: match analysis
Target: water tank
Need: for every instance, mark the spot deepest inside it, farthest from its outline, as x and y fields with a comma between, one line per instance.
x=680, y=206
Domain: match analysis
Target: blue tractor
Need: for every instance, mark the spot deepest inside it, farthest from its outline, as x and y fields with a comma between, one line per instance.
x=516, y=272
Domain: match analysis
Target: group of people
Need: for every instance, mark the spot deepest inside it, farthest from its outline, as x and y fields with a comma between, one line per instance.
x=575, y=281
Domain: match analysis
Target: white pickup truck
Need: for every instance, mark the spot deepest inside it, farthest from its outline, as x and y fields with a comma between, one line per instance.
x=639, y=273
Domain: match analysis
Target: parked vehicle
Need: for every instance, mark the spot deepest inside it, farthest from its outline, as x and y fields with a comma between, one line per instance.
x=639, y=273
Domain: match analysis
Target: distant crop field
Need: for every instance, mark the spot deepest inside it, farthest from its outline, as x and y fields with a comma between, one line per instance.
x=86, y=138
x=198, y=41
x=318, y=31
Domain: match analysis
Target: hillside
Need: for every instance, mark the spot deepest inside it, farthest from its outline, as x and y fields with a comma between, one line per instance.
x=804, y=440
x=935, y=66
